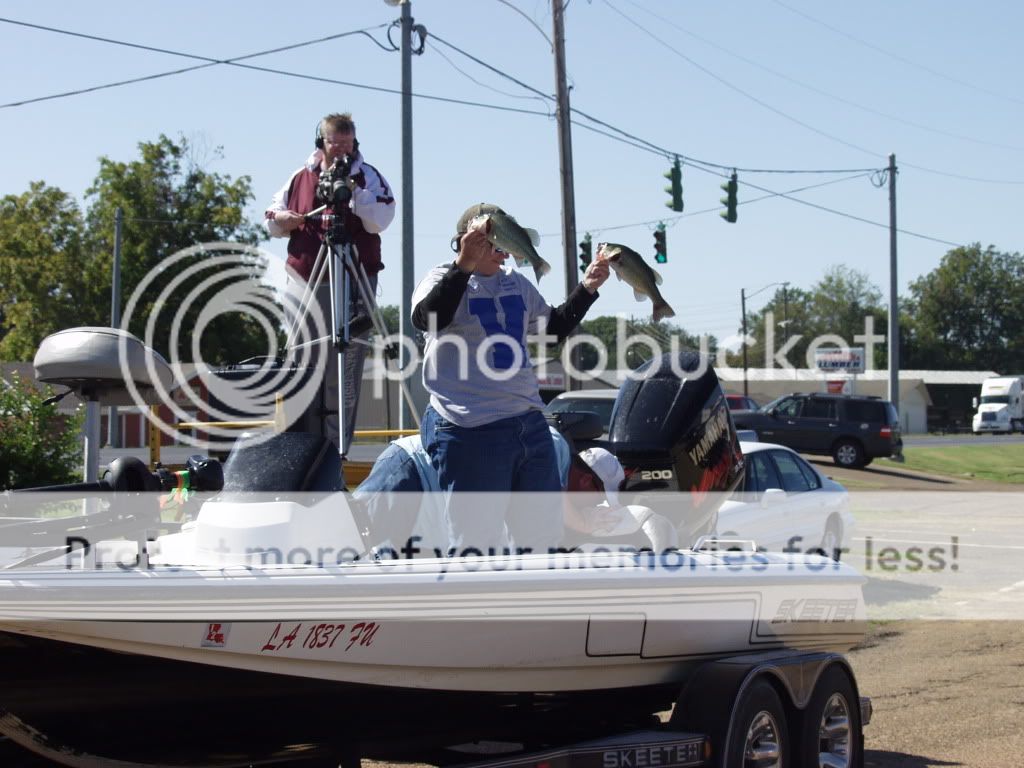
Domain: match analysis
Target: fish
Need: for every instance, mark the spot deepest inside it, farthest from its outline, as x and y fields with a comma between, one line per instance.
x=630, y=267
x=505, y=233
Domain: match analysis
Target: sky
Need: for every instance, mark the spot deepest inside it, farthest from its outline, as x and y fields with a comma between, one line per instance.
x=781, y=85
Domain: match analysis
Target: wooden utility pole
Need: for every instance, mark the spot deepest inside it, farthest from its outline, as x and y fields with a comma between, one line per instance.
x=894, y=310
x=563, y=117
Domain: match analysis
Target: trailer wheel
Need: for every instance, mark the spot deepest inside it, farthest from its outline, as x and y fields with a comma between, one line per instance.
x=759, y=737
x=830, y=734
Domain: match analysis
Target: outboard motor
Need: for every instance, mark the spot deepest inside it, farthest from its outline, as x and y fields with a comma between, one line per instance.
x=671, y=430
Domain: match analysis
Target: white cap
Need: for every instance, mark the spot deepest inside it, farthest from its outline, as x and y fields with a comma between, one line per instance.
x=604, y=464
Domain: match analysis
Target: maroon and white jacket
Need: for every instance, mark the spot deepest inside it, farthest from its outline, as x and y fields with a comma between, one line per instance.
x=370, y=212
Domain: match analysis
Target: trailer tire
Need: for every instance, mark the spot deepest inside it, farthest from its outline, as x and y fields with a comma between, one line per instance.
x=830, y=729
x=759, y=735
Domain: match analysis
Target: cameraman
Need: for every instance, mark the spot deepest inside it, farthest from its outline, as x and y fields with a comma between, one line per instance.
x=369, y=212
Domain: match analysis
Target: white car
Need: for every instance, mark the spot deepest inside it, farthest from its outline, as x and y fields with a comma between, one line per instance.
x=599, y=401
x=786, y=504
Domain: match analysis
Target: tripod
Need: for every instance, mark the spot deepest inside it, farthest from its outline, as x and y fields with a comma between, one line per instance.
x=338, y=258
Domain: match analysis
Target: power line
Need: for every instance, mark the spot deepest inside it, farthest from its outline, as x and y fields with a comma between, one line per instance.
x=639, y=142
x=739, y=90
x=821, y=92
x=809, y=127
x=208, y=61
x=897, y=57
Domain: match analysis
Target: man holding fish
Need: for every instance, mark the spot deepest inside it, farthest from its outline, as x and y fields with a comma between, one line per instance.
x=484, y=428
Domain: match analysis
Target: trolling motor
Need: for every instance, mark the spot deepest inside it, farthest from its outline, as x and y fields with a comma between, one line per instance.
x=131, y=475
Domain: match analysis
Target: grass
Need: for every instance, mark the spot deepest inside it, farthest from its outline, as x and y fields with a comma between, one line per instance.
x=998, y=463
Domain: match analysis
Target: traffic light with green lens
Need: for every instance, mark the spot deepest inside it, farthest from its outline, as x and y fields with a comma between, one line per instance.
x=586, y=253
x=660, y=251
x=729, y=201
x=675, y=175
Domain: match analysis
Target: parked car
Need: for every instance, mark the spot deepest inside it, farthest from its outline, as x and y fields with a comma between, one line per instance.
x=741, y=403
x=853, y=429
x=599, y=401
x=786, y=503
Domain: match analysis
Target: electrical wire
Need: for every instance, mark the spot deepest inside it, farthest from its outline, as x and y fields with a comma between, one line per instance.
x=821, y=92
x=472, y=79
x=737, y=89
x=208, y=61
x=529, y=19
x=897, y=57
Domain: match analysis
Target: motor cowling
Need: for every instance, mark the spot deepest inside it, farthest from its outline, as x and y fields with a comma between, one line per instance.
x=672, y=431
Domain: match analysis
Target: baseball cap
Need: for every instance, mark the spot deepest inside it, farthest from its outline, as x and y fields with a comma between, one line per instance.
x=479, y=209
x=608, y=469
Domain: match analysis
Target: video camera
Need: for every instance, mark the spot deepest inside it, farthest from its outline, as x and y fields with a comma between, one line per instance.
x=332, y=189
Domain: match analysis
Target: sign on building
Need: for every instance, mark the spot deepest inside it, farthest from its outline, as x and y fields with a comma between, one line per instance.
x=840, y=360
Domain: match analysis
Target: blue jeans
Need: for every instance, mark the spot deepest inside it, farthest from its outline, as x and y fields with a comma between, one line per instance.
x=502, y=459
x=391, y=496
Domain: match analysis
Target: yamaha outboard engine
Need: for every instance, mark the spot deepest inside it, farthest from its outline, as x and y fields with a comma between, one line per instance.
x=672, y=431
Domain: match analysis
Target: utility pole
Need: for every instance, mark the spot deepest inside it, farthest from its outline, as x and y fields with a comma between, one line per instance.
x=563, y=116
x=785, y=306
x=894, y=316
x=405, y=416
x=113, y=433
x=743, y=311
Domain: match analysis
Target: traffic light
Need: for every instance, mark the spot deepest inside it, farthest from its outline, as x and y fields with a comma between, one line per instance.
x=675, y=175
x=660, y=251
x=729, y=201
x=585, y=253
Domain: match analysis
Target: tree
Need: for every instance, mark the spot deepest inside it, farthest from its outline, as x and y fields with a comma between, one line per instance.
x=40, y=446
x=171, y=203
x=42, y=269
x=968, y=312
x=838, y=305
x=605, y=330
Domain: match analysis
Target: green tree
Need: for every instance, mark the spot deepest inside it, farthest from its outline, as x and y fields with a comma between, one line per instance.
x=605, y=330
x=40, y=446
x=968, y=312
x=170, y=202
x=836, y=305
x=42, y=268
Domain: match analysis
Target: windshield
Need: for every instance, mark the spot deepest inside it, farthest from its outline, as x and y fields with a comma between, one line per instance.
x=768, y=406
x=1004, y=398
x=602, y=408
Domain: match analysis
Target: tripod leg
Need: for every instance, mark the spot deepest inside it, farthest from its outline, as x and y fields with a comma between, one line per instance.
x=378, y=320
x=307, y=295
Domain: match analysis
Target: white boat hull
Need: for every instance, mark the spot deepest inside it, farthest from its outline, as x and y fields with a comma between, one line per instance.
x=534, y=623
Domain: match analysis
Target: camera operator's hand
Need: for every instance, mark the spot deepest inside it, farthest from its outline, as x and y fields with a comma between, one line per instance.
x=473, y=246
x=289, y=220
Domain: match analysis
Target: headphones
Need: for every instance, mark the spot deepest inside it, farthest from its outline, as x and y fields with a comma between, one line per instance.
x=318, y=140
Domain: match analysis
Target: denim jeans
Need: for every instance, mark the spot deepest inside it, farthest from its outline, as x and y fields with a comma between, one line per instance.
x=502, y=459
x=391, y=496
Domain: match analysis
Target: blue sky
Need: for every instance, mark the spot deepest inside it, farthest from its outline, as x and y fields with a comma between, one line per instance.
x=776, y=84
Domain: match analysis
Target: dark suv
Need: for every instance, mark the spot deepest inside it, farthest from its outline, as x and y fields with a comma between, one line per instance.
x=852, y=429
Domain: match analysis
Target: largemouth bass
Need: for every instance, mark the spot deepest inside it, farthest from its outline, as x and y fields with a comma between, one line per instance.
x=505, y=233
x=630, y=267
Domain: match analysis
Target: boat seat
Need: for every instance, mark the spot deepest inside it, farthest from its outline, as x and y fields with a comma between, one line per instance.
x=89, y=361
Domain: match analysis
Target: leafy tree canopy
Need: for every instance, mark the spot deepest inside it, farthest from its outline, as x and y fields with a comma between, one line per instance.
x=56, y=264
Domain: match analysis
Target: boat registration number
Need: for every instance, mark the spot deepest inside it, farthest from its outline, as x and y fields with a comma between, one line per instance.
x=317, y=635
